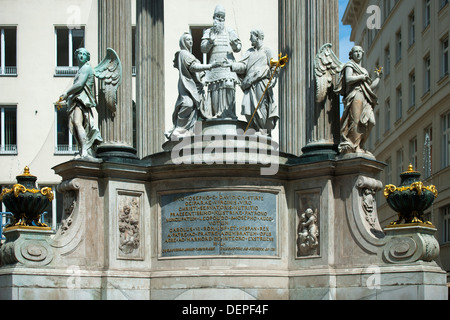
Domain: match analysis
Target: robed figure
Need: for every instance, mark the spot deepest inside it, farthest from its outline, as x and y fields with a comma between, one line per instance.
x=358, y=92
x=191, y=95
x=359, y=99
x=220, y=42
x=255, y=70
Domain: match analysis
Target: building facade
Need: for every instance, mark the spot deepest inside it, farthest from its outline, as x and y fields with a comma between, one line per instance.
x=37, y=65
x=409, y=39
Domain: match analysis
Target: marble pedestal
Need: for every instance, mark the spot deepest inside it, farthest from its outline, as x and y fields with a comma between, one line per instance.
x=150, y=229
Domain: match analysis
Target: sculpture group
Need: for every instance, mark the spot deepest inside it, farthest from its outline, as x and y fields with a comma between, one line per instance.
x=221, y=77
x=208, y=91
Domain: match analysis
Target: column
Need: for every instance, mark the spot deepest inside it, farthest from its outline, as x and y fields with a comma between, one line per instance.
x=115, y=32
x=150, y=104
x=304, y=26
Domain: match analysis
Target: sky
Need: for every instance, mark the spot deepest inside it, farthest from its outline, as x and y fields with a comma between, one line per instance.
x=344, y=33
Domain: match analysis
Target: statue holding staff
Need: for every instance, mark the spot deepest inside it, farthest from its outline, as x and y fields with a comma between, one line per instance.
x=258, y=78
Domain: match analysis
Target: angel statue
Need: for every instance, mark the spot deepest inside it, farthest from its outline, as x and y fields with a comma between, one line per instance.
x=357, y=89
x=81, y=98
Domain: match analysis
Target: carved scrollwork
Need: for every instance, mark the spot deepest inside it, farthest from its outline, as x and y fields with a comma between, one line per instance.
x=409, y=246
x=70, y=196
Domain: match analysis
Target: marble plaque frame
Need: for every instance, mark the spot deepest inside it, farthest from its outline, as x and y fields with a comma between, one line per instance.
x=272, y=191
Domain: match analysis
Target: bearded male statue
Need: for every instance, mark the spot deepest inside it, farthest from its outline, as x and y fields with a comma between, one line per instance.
x=220, y=43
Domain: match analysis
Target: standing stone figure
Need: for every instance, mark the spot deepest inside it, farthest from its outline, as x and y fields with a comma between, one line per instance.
x=191, y=96
x=357, y=88
x=256, y=70
x=81, y=98
x=220, y=43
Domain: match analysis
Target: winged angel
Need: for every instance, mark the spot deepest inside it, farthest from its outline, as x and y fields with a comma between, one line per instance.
x=357, y=89
x=81, y=98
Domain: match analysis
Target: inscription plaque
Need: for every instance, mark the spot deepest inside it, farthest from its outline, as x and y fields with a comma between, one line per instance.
x=219, y=223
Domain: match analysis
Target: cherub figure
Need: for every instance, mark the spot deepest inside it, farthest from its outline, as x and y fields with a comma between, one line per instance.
x=308, y=233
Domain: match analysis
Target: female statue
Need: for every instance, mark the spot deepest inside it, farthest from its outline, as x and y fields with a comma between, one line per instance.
x=357, y=88
x=190, y=88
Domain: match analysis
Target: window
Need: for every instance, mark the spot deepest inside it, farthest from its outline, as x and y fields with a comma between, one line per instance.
x=8, y=132
x=413, y=153
x=412, y=28
x=65, y=142
x=446, y=224
x=426, y=13
x=387, y=115
x=412, y=89
x=387, y=61
x=443, y=3
x=444, y=57
x=427, y=80
x=388, y=171
x=8, y=51
x=428, y=152
x=133, y=37
x=398, y=38
x=67, y=42
x=400, y=166
x=197, y=35
x=399, y=103
x=446, y=140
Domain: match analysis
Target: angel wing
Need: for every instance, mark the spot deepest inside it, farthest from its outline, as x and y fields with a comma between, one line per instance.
x=110, y=72
x=326, y=65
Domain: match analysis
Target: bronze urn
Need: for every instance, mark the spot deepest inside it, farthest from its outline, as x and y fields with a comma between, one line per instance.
x=26, y=202
x=411, y=199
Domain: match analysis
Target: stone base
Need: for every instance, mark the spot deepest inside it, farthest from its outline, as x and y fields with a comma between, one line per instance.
x=151, y=230
x=27, y=246
x=108, y=151
x=419, y=282
x=315, y=152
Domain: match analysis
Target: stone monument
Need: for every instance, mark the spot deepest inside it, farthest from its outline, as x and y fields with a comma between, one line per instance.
x=223, y=213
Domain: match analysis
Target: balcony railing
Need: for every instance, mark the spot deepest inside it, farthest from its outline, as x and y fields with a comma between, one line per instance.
x=8, y=149
x=8, y=71
x=66, y=71
x=66, y=149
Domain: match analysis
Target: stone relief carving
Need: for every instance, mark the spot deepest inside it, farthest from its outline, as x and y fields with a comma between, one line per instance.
x=308, y=233
x=368, y=188
x=129, y=226
x=69, y=189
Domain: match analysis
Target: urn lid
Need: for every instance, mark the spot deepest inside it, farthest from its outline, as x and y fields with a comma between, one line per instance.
x=410, y=176
x=26, y=178
x=26, y=173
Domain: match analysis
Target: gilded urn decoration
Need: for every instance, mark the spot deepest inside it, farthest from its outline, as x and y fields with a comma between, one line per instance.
x=411, y=199
x=26, y=202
